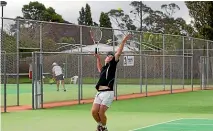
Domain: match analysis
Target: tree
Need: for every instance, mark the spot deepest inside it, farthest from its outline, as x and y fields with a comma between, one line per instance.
x=85, y=17
x=88, y=15
x=140, y=10
x=34, y=10
x=105, y=20
x=201, y=12
x=170, y=9
x=37, y=11
x=122, y=20
x=81, y=19
x=51, y=15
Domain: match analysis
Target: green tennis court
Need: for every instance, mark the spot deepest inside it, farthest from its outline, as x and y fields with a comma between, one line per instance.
x=181, y=125
x=172, y=112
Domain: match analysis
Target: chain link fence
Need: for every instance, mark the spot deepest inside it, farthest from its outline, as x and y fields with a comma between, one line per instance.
x=3, y=81
x=155, y=56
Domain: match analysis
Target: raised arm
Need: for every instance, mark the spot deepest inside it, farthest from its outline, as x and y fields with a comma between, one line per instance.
x=99, y=66
x=120, y=49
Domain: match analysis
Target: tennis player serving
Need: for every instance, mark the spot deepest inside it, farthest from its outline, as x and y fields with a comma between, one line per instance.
x=105, y=94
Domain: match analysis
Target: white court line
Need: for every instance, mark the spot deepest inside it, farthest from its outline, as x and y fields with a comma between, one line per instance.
x=199, y=118
x=167, y=122
x=189, y=124
x=155, y=124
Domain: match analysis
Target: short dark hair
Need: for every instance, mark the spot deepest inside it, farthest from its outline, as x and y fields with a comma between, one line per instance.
x=110, y=53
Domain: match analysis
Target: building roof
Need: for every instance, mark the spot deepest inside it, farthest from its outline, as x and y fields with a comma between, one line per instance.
x=101, y=48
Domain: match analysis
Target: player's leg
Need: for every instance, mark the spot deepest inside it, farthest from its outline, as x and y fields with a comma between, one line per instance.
x=62, y=81
x=57, y=83
x=102, y=114
x=105, y=104
x=95, y=111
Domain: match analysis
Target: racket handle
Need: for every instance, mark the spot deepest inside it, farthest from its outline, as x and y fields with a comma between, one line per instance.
x=96, y=50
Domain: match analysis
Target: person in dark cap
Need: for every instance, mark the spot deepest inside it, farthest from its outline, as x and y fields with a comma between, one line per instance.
x=105, y=90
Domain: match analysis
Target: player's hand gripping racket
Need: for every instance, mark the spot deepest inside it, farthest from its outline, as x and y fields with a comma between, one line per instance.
x=96, y=35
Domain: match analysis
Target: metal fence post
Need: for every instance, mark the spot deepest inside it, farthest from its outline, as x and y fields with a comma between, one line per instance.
x=192, y=63
x=164, y=87
x=141, y=77
x=183, y=62
x=33, y=80
x=202, y=72
x=207, y=64
x=41, y=65
x=146, y=75
x=36, y=81
x=170, y=63
x=79, y=82
x=5, y=86
x=80, y=69
x=17, y=58
x=116, y=72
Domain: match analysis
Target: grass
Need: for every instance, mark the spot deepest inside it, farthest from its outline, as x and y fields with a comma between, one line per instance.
x=122, y=116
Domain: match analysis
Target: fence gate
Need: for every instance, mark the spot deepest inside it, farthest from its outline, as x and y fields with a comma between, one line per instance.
x=206, y=75
x=37, y=81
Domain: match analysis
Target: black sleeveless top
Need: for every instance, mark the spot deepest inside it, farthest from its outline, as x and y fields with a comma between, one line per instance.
x=107, y=75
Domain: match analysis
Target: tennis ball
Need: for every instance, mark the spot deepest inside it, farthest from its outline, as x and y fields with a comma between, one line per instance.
x=119, y=9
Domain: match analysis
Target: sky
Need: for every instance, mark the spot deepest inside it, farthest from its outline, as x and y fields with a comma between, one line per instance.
x=70, y=9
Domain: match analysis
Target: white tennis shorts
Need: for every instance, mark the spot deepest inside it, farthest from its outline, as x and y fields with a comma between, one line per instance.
x=104, y=98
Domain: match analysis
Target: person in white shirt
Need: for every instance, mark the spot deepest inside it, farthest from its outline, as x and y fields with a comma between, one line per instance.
x=58, y=75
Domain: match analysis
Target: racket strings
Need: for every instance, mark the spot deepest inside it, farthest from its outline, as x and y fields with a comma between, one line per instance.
x=96, y=34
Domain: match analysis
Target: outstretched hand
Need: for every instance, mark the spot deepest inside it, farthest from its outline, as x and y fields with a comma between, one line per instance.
x=127, y=37
x=97, y=55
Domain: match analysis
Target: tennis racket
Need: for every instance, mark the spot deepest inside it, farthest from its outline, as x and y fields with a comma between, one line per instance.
x=96, y=35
